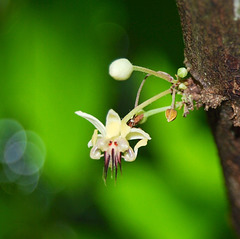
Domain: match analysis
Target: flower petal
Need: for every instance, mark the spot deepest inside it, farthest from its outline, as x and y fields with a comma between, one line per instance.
x=125, y=129
x=142, y=142
x=94, y=138
x=130, y=155
x=123, y=144
x=113, y=124
x=98, y=125
x=136, y=133
x=95, y=153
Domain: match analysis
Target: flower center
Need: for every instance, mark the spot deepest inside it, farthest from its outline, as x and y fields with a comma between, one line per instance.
x=111, y=143
x=113, y=155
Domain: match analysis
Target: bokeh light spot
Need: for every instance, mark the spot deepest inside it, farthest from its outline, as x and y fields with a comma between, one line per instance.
x=22, y=156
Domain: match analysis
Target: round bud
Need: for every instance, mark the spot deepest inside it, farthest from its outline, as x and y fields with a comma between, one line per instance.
x=182, y=72
x=121, y=69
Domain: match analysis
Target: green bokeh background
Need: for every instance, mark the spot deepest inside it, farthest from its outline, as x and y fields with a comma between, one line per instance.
x=54, y=57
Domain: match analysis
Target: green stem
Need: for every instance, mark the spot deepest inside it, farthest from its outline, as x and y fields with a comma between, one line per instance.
x=159, y=74
x=156, y=111
x=173, y=98
x=139, y=90
x=144, y=104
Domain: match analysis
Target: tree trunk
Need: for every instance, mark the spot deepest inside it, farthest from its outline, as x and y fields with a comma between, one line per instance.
x=211, y=31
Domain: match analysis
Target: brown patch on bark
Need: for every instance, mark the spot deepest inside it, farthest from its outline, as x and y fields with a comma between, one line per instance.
x=236, y=115
x=193, y=91
x=210, y=99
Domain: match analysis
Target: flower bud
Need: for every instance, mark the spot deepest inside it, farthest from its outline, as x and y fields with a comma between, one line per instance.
x=170, y=114
x=182, y=72
x=182, y=86
x=121, y=69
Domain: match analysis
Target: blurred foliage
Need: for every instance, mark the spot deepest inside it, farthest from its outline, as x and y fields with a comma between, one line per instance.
x=54, y=60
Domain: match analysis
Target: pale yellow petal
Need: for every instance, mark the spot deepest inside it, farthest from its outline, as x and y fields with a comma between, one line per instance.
x=142, y=142
x=93, y=140
x=113, y=124
x=95, y=153
x=136, y=133
x=98, y=125
x=129, y=155
x=125, y=129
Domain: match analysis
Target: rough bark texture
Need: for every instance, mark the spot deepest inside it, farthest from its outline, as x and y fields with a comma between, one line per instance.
x=211, y=31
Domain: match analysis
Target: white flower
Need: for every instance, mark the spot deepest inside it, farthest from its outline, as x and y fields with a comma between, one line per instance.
x=121, y=69
x=112, y=142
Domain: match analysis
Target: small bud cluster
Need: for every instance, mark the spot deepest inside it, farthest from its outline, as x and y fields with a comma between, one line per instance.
x=121, y=69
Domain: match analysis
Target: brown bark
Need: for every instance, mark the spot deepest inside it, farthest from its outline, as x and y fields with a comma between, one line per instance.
x=211, y=31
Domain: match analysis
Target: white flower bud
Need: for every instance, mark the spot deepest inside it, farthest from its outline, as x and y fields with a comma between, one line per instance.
x=182, y=72
x=121, y=69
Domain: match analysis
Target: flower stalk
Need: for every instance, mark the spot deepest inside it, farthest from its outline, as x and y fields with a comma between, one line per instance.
x=144, y=104
x=159, y=74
